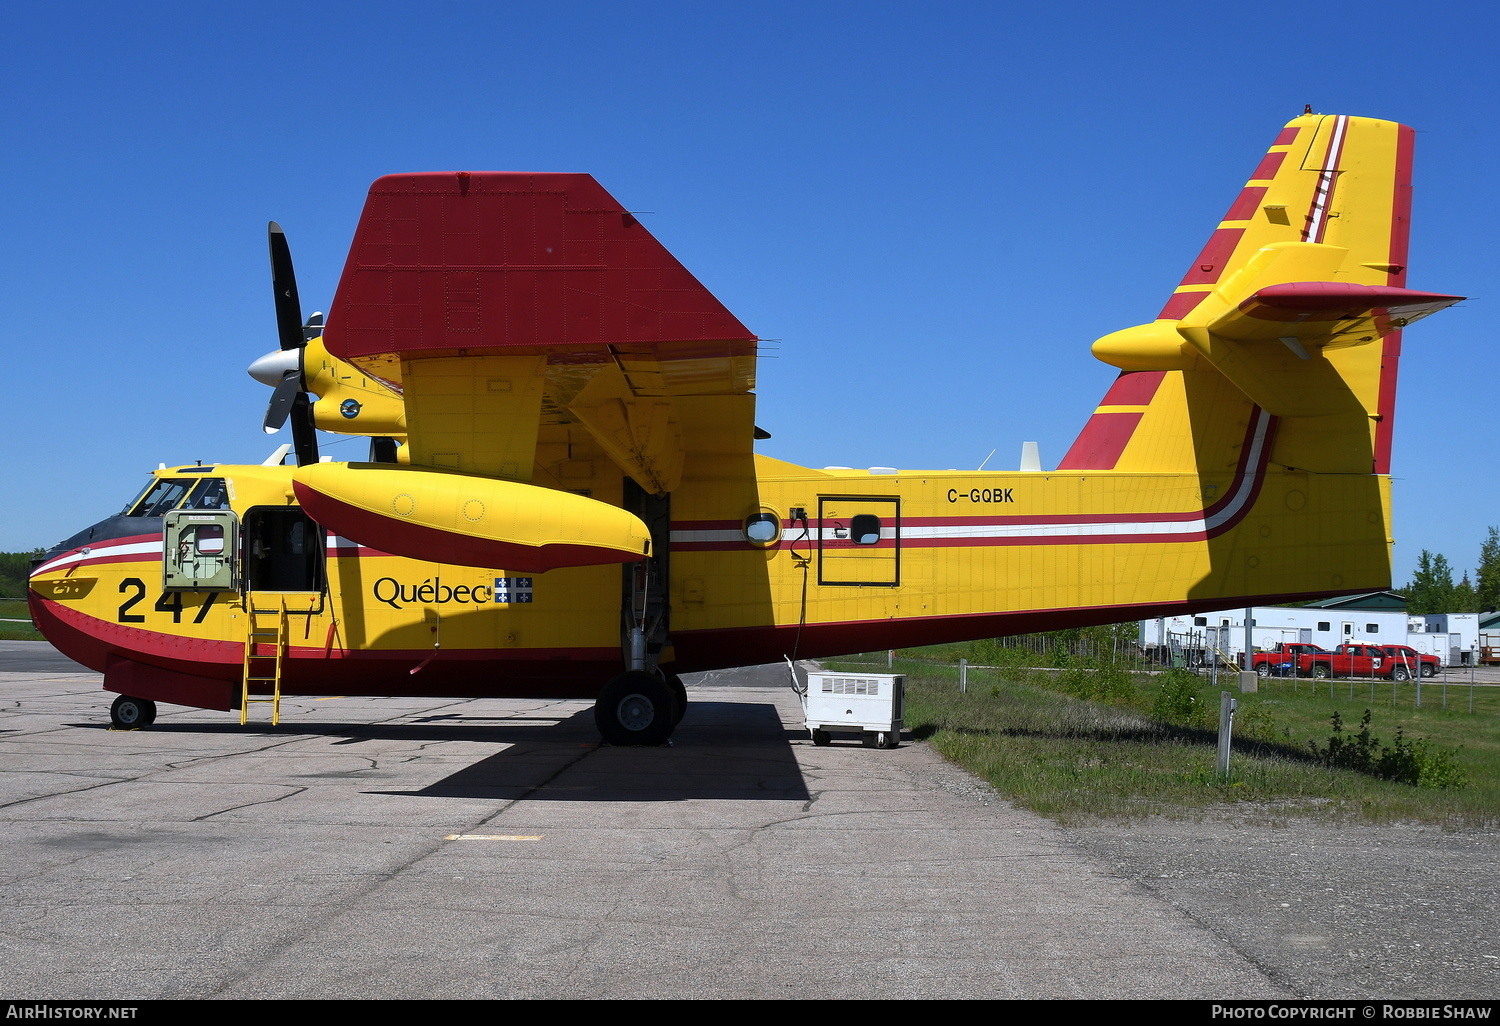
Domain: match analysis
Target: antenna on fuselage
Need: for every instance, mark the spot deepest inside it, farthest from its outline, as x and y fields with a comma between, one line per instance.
x=984, y=461
x=1031, y=457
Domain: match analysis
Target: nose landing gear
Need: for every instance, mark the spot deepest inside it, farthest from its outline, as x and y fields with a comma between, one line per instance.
x=132, y=713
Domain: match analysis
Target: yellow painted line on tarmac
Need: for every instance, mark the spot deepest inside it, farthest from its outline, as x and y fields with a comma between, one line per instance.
x=493, y=837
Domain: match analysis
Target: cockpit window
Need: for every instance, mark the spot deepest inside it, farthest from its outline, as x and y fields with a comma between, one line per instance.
x=164, y=494
x=133, y=503
x=210, y=493
x=167, y=493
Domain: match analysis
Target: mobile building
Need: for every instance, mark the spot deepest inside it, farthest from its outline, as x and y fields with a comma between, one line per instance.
x=1489, y=638
x=1452, y=637
x=1376, y=618
x=1225, y=632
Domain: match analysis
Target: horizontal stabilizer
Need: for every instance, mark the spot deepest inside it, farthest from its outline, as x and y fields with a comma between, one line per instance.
x=1326, y=313
x=445, y=517
x=1299, y=295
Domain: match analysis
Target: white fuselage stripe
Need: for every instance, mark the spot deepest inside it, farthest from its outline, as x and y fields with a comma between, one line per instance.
x=103, y=549
x=1318, y=218
x=1191, y=525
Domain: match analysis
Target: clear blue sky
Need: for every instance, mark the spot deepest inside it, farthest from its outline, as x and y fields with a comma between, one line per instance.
x=935, y=207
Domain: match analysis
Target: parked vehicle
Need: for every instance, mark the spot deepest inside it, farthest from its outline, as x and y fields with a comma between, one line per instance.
x=1282, y=661
x=1428, y=664
x=1353, y=660
x=1301, y=659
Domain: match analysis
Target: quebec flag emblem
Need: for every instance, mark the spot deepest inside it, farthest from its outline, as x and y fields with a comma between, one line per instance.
x=512, y=589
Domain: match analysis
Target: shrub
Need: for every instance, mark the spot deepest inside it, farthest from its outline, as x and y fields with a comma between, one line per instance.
x=1176, y=700
x=1407, y=762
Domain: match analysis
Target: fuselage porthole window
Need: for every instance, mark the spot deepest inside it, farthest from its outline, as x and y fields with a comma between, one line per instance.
x=762, y=528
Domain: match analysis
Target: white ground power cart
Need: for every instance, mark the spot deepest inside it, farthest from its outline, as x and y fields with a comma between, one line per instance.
x=868, y=704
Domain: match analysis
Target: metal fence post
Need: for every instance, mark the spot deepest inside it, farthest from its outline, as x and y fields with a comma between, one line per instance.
x=1227, y=705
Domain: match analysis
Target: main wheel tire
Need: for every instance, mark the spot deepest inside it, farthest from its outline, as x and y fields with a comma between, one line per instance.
x=1428, y=670
x=636, y=708
x=130, y=713
x=679, y=693
x=1263, y=670
x=1399, y=672
x=822, y=738
x=887, y=739
x=1322, y=670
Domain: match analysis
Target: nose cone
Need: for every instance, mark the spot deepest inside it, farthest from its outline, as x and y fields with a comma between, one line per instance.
x=269, y=369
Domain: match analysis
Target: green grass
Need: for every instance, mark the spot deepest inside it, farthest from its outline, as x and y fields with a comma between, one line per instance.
x=1079, y=744
x=15, y=609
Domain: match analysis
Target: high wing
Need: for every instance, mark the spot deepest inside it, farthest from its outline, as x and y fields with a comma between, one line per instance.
x=534, y=329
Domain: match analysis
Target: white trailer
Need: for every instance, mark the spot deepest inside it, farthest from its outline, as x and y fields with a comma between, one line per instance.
x=1452, y=637
x=1224, y=631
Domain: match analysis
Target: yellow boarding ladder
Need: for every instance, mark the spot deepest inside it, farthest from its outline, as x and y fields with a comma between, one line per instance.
x=263, y=667
x=1225, y=659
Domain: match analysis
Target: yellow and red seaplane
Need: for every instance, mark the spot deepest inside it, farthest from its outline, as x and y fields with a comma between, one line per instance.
x=562, y=497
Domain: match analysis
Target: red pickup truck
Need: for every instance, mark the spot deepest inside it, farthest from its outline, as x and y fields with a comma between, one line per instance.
x=1288, y=659
x=1305, y=660
x=1429, y=664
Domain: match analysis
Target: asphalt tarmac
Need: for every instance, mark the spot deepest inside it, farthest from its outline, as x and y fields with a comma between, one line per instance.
x=403, y=848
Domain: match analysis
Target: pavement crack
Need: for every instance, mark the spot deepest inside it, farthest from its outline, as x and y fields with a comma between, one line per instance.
x=291, y=792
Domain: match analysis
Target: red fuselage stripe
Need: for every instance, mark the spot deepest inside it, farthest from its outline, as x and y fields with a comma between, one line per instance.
x=1390, y=346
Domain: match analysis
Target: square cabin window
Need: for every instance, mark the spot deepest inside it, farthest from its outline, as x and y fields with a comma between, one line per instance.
x=1324, y=625
x=865, y=529
x=1372, y=628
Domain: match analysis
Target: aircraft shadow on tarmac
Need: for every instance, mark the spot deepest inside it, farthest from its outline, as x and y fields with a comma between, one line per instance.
x=721, y=750
x=725, y=750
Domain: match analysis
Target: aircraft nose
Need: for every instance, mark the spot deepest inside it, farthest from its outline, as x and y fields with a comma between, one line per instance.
x=269, y=368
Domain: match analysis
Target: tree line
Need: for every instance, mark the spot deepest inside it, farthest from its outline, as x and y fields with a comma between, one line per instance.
x=1432, y=589
x=15, y=567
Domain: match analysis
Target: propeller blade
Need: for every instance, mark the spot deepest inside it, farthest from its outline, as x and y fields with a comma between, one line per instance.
x=304, y=433
x=284, y=287
x=314, y=326
x=287, y=391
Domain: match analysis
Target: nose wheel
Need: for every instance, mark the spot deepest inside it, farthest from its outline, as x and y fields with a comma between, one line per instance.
x=132, y=713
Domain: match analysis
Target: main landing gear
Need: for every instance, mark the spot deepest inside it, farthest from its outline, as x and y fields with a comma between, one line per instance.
x=132, y=713
x=640, y=708
x=643, y=705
